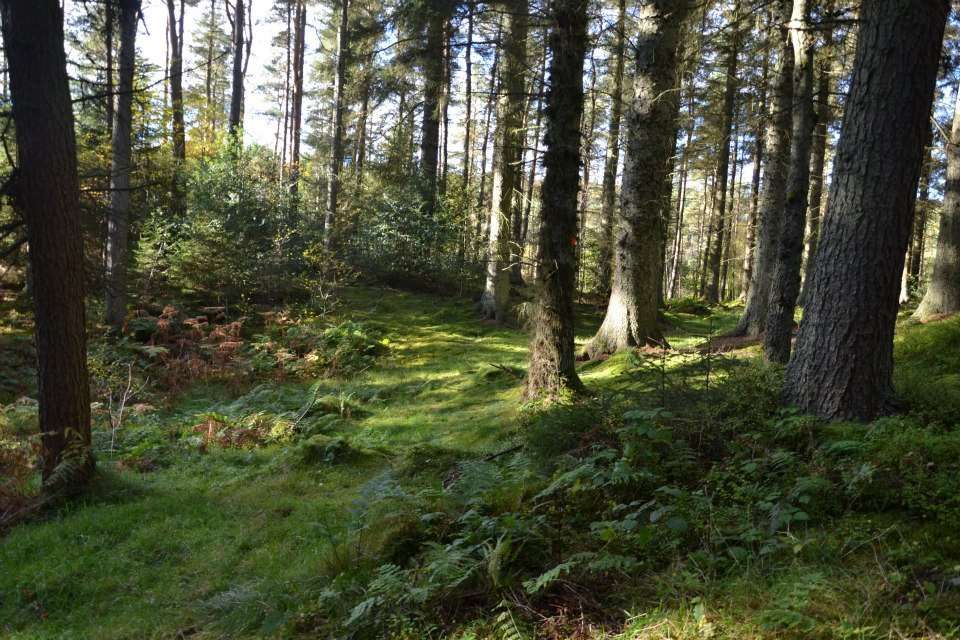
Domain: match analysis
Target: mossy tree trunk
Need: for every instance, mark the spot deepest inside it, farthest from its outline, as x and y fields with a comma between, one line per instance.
x=552, y=367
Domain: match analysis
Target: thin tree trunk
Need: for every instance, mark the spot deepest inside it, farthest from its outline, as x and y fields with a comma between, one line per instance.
x=552, y=367
x=118, y=218
x=361, y=155
x=922, y=213
x=785, y=286
x=843, y=365
x=47, y=193
x=758, y=153
x=445, y=106
x=723, y=162
x=732, y=211
x=109, y=19
x=336, y=148
x=677, y=248
x=631, y=318
x=773, y=192
x=817, y=178
x=493, y=91
x=296, y=111
x=432, y=63
x=535, y=152
x=176, y=103
x=468, y=100
x=507, y=153
x=286, y=92
x=612, y=160
x=943, y=292
x=236, y=96
x=589, y=125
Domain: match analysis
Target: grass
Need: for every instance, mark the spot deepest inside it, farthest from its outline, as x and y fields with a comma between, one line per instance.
x=232, y=543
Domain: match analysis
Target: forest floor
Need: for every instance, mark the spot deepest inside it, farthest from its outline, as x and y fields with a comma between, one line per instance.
x=205, y=541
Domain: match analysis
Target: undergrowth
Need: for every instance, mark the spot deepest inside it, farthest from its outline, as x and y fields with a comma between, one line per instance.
x=370, y=474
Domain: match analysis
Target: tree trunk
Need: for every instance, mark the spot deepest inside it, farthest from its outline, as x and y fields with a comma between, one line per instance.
x=488, y=113
x=118, y=217
x=758, y=156
x=468, y=100
x=296, y=107
x=507, y=153
x=731, y=218
x=336, y=148
x=445, y=105
x=47, y=193
x=589, y=125
x=552, y=367
x=843, y=365
x=362, y=123
x=631, y=318
x=535, y=151
x=612, y=160
x=681, y=209
x=432, y=63
x=723, y=162
x=236, y=96
x=176, y=103
x=943, y=292
x=773, y=193
x=922, y=213
x=820, y=134
x=109, y=20
x=785, y=286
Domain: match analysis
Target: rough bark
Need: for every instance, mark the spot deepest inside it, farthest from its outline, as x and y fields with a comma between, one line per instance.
x=507, y=154
x=47, y=193
x=815, y=206
x=785, y=286
x=236, y=95
x=731, y=83
x=773, y=192
x=631, y=318
x=552, y=367
x=943, y=292
x=118, y=216
x=612, y=159
x=843, y=365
